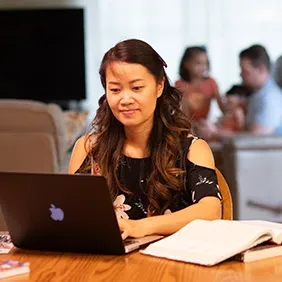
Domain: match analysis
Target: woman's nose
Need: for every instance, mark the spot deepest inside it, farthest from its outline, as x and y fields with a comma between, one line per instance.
x=127, y=97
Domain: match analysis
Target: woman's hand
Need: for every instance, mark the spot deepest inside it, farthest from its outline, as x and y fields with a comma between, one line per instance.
x=133, y=228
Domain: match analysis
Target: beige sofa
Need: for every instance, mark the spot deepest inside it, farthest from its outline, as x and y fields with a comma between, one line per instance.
x=32, y=137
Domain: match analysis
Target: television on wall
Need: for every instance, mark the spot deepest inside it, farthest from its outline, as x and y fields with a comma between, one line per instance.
x=42, y=54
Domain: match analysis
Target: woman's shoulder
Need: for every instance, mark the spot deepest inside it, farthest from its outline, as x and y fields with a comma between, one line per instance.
x=80, y=151
x=200, y=153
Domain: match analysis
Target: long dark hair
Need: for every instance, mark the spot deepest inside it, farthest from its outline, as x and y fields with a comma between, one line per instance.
x=189, y=53
x=170, y=127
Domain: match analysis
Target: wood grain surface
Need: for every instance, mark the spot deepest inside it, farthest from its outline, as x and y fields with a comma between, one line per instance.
x=46, y=266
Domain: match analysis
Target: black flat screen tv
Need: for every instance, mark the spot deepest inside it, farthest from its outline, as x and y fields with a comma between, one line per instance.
x=42, y=54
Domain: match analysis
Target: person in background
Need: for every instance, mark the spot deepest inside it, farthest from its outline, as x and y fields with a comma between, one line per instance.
x=197, y=86
x=160, y=177
x=277, y=73
x=264, y=115
x=233, y=120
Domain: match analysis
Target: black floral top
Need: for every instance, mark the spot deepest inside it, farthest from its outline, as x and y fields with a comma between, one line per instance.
x=133, y=174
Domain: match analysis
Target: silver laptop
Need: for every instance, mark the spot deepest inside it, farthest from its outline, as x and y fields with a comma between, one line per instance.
x=61, y=212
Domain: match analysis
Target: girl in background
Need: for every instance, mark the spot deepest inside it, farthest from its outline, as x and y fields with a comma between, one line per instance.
x=197, y=86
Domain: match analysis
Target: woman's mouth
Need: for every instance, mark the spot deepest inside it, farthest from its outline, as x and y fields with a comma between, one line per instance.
x=128, y=112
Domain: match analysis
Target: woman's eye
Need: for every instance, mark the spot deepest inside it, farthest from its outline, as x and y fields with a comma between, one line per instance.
x=138, y=88
x=115, y=90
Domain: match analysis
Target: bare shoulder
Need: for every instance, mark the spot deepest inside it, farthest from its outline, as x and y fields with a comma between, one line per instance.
x=79, y=153
x=200, y=154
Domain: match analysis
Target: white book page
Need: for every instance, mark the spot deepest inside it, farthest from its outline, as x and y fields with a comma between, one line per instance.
x=207, y=242
x=276, y=228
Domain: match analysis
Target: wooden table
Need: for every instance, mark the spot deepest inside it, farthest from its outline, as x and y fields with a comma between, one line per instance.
x=69, y=267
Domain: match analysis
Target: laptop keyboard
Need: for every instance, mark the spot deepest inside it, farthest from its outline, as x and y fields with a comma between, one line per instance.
x=129, y=241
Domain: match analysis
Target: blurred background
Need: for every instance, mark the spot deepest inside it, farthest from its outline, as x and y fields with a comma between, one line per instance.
x=224, y=27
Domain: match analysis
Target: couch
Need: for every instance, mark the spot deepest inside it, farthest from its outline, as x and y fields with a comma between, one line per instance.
x=32, y=137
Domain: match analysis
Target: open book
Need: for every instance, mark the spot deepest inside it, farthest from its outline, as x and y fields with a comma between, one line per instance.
x=12, y=267
x=263, y=251
x=210, y=242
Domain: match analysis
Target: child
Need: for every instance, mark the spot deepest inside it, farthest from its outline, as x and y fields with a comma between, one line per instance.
x=233, y=120
x=197, y=86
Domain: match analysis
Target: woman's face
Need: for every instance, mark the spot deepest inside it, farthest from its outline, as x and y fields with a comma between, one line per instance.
x=197, y=65
x=132, y=93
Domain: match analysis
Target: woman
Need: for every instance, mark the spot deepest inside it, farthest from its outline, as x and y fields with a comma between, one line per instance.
x=197, y=86
x=160, y=178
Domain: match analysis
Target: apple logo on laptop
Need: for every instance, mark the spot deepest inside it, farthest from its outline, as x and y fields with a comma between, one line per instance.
x=56, y=213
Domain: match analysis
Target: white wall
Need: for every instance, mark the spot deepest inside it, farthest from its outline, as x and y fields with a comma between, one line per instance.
x=235, y=25
x=225, y=27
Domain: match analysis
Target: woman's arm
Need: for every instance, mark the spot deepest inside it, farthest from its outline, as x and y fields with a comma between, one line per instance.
x=207, y=208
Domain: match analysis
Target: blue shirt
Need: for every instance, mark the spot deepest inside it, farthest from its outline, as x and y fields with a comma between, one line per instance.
x=265, y=107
